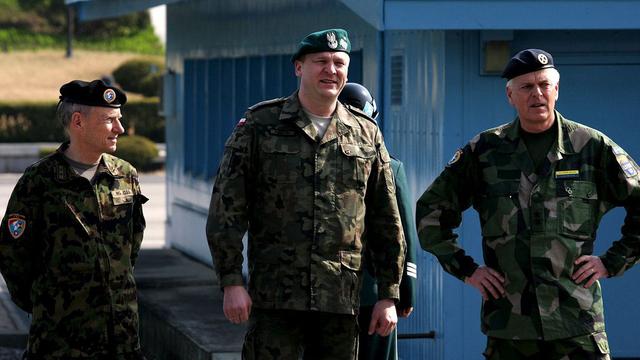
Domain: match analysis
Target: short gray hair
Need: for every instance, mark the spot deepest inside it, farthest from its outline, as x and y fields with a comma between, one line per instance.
x=66, y=109
x=554, y=76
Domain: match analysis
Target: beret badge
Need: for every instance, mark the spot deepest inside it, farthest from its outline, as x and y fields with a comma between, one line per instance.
x=331, y=40
x=543, y=59
x=109, y=96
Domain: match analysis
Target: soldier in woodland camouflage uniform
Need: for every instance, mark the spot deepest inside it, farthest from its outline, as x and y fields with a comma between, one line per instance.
x=298, y=174
x=71, y=234
x=540, y=185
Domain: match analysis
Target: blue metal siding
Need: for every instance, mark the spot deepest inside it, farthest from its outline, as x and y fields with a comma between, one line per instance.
x=501, y=14
x=413, y=134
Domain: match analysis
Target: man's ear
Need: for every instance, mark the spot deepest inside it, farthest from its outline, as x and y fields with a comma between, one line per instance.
x=76, y=120
x=508, y=90
x=298, y=67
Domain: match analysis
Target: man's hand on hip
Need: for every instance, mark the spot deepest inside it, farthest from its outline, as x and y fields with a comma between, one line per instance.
x=236, y=304
x=590, y=268
x=487, y=281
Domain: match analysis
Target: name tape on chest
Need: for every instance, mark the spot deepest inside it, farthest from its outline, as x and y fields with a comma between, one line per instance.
x=567, y=174
x=122, y=196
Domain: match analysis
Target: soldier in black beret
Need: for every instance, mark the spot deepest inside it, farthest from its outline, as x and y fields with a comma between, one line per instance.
x=94, y=93
x=71, y=235
x=540, y=185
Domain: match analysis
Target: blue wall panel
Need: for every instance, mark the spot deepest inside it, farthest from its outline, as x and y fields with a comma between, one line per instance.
x=412, y=127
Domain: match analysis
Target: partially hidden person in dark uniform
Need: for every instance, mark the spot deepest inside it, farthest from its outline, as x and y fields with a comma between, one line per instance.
x=540, y=185
x=374, y=346
x=306, y=177
x=71, y=235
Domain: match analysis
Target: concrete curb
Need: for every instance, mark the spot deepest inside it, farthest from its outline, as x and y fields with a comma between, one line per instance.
x=181, y=310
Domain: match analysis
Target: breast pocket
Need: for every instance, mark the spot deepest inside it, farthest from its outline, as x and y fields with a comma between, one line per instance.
x=576, y=208
x=281, y=163
x=357, y=160
x=498, y=208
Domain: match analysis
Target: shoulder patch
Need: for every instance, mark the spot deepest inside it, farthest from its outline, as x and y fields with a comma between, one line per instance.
x=628, y=165
x=267, y=103
x=17, y=224
x=359, y=112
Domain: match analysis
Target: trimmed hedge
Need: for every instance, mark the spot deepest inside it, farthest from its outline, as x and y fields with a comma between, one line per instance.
x=138, y=150
x=36, y=122
x=142, y=75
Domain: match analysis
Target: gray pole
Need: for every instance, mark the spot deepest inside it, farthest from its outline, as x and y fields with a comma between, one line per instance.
x=69, y=31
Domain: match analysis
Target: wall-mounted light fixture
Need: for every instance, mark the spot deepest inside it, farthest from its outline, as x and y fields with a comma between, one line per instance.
x=495, y=51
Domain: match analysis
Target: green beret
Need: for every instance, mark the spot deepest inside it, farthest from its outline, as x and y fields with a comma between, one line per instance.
x=325, y=40
x=527, y=61
x=95, y=93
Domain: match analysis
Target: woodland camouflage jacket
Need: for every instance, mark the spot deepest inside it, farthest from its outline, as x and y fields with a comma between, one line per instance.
x=535, y=225
x=306, y=203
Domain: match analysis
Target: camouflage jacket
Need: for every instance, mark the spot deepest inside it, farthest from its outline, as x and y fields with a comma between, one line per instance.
x=305, y=203
x=67, y=250
x=408, y=285
x=534, y=226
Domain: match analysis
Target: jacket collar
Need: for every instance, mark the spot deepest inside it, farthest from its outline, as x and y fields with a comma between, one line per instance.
x=341, y=121
x=562, y=145
x=63, y=172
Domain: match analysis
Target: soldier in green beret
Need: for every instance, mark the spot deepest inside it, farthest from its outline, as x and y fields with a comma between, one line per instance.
x=306, y=177
x=540, y=185
x=71, y=235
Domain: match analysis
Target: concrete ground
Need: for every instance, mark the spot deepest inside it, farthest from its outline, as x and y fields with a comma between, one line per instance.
x=179, y=300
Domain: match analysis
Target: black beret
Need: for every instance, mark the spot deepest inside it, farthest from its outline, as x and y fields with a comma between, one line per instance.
x=527, y=61
x=324, y=40
x=95, y=93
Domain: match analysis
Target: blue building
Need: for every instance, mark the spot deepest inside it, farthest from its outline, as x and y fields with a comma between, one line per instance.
x=434, y=68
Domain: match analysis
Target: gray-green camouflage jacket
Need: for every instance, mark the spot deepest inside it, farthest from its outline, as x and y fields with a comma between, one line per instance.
x=305, y=203
x=67, y=250
x=534, y=226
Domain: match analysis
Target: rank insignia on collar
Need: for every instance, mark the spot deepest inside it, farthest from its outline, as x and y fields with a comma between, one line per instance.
x=17, y=224
x=455, y=158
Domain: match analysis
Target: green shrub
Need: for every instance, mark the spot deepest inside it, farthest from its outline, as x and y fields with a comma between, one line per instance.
x=142, y=75
x=36, y=122
x=138, y=150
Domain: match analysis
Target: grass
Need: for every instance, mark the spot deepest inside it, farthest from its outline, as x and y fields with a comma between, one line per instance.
x=37, y=75
x=142, y=42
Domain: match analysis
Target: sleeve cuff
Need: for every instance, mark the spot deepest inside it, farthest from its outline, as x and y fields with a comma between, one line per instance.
x=389, y=291
x=615, y=267
x=231, y=279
